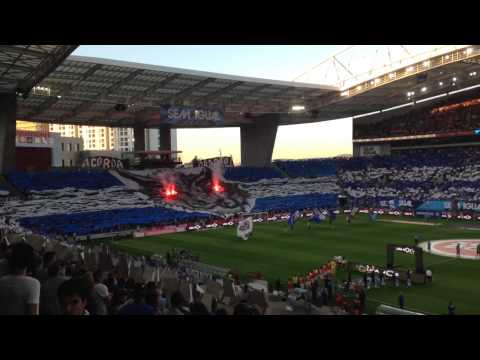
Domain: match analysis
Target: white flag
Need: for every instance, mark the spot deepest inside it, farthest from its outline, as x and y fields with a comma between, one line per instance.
x=245, y=228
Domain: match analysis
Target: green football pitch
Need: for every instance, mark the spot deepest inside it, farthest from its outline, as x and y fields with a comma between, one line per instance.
x=279, y=254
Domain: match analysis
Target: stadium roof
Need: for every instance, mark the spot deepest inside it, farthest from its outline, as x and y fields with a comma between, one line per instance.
x=24, y=66
x=86, y=91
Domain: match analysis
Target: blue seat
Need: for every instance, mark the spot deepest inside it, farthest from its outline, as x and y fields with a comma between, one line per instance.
x=251, y=174
x=57, y=179
x=295, y=202
x=105, y=221
x=308, y=168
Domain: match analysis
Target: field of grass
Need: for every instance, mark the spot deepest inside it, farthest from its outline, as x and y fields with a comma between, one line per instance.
x=279, y=253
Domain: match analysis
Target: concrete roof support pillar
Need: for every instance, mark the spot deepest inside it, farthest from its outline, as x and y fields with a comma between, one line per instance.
x=8, y=118
x=165, y=134
x=257, y=142
x=139, y=132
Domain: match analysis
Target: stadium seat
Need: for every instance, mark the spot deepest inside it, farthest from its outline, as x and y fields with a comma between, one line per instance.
x=60, y=179
x=251, y=174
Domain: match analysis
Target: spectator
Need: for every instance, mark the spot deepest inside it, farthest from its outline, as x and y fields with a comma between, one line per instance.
x=244, y=309
x=152, y=298
x=382, y=278
x=221, y=311
x=119, y=298
x=73, y=296
x=179, y=304
x=49, y=304
x=214, y=305
x=451, y=308
x=396, y=279
x=101, y=294
x=324, y=296
x=49, y=259
x=138, y=306
x=401, y=301
x=278, y=285
x=362, y=297
x=409, y=278
x=112, y=281
x=198, y=308
x=3, y=258
x=19, y=293
x=314, y=291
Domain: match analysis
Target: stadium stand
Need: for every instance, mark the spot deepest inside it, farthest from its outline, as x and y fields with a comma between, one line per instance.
x=308, y=168
x=296, y=202
x=60, y=179
x=89, y=202
x=106, y=221
x=93, y=202
x=433, y=174
x=460, y=114
x=251, y=174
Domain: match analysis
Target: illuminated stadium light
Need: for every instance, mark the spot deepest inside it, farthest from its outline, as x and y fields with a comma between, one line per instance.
x=454, y=79
x=426, y=63
x=377, y=81
x=298, y=108
x=440, y=83
x=359, y=87
x=345, y=93
x=424, y=89
x=409, y=69
x=469, y=51
x=447, y=57
x=473, y=73
x=392, y=75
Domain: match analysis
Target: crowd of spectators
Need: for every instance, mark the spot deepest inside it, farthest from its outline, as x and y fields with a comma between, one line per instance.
x=463, y=116
x=417, y=175
x=46, y=276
